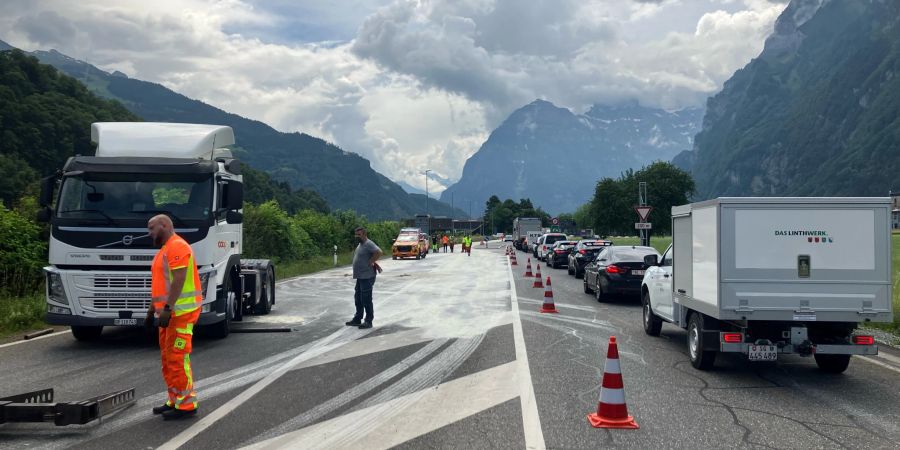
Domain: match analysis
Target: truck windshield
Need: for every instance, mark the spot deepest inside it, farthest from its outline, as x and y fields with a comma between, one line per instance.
x=134, y=198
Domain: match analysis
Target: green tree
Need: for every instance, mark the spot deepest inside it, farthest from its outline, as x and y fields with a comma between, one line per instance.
x=22, y=253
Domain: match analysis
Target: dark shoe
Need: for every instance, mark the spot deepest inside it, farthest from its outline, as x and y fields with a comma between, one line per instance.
x=162, y=409
x=176, y=414
x=353, y=323
x=365, y=325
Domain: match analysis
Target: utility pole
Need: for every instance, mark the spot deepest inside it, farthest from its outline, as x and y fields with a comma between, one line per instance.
x=426, y=191
x=642, y=201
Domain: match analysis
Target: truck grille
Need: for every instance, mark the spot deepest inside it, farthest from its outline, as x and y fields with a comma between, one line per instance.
x=120, y=282
x=117, y=301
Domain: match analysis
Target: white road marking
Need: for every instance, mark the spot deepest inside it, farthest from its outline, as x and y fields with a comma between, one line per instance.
x=425, y=411
x=879, y=363
x=531, y=421
x=54, y=334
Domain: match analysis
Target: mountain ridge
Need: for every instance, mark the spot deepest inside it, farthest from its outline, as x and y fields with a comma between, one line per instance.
x=346, y=180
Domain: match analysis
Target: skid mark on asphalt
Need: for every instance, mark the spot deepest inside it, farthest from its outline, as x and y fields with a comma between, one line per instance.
x=414, y=414
x=335, y=403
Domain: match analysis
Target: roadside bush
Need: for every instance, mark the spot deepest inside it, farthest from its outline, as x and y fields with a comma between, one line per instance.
x=270, y=233
x=22, y=253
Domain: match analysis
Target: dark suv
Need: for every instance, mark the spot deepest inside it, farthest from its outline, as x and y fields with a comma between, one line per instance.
x=583, y=254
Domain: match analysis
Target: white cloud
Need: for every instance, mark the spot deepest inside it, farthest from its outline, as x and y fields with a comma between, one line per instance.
x=421, y=83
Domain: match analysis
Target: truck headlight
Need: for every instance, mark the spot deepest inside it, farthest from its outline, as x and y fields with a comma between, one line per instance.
x=58, y=310
x=204, y=281
x=55, y=290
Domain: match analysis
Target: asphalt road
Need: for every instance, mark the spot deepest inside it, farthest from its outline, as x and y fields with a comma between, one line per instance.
x=459, y=357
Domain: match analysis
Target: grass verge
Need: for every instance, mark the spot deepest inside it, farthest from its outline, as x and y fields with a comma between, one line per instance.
x=660, y=243
x=21, y=313
x=895, y=261
x=314, y=264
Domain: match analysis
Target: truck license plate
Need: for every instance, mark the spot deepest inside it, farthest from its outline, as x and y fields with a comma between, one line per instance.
x=124, y=321
x=763, y=353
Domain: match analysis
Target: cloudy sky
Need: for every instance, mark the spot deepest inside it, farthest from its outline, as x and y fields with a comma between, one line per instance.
x=409, y=84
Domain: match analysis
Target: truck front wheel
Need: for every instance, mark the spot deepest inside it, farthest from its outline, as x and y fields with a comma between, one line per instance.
x=832, y=363
x=700, y=359
x=86, y=333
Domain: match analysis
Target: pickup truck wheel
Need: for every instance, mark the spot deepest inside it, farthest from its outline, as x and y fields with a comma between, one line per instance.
x=587, y=290
x=652, y=323
x=832, y=363
x=267, y=294
x=86, y=334
x=700, y=359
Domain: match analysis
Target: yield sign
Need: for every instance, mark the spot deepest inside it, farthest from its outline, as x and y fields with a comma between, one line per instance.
x=643, y=212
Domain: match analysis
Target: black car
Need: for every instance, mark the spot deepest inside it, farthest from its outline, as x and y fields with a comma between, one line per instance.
x=558, y=255
x=583, y=254
x=543, y=246
x=617, y=269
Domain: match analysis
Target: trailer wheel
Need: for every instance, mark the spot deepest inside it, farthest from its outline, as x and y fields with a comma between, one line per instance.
x=267, y=294
x=700, y=359
x=832, y=363
x=85, y=334
x=652, y=323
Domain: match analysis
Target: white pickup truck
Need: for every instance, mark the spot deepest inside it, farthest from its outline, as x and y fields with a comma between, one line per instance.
x=771, y=276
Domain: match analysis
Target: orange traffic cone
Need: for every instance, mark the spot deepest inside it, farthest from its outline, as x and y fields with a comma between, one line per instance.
x=611, y=409
x=537, y=278
x=512, y=258
x=548, y=306
x=528, y=273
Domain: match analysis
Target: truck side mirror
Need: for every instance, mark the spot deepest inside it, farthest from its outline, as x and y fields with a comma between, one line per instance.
x=651, y=260
x=234, y=196
x=233, y=217
x=47, y=185
x=43, y=215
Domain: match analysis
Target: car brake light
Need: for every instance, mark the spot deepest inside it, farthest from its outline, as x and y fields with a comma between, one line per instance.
x=560, y=252
x=614, y=269
x=582, y=251
x=732, y=338
x=863, y=340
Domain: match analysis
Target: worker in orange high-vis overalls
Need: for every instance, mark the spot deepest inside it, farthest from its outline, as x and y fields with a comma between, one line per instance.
x=175, y=288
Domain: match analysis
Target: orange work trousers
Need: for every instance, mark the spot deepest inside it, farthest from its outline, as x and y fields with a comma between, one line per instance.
x=175, y=349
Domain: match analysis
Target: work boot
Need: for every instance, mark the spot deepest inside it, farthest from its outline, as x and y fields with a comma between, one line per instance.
x=175, y=414
x=353, y=323
x=365, y=325
x=162, y=409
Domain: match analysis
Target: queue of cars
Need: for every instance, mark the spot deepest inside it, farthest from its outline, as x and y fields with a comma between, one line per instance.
x=607, y=269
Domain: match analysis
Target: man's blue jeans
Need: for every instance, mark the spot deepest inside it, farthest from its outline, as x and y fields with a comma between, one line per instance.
x=363, y=299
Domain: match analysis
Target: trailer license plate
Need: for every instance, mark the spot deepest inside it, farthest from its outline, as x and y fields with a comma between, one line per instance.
x=763, y=353
x=124, y=321
x=637, y=272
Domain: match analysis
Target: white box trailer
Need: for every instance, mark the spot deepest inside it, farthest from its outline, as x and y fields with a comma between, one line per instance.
x=767, y=276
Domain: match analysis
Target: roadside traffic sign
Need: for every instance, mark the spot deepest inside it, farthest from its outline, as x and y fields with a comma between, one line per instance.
x=554, y=221
x=643, y=226
x=554, y=229
x=643, y=212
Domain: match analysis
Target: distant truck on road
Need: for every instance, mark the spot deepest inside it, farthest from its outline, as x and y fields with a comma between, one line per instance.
x=100, y=252
x=521, y=227
x=772, y=276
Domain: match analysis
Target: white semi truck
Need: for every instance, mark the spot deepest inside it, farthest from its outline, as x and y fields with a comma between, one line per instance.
x=521, y=228
x=100, y=253
x=772, y=276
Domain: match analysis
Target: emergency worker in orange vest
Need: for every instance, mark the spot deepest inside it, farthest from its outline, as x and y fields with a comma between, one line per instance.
x=175, y=288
